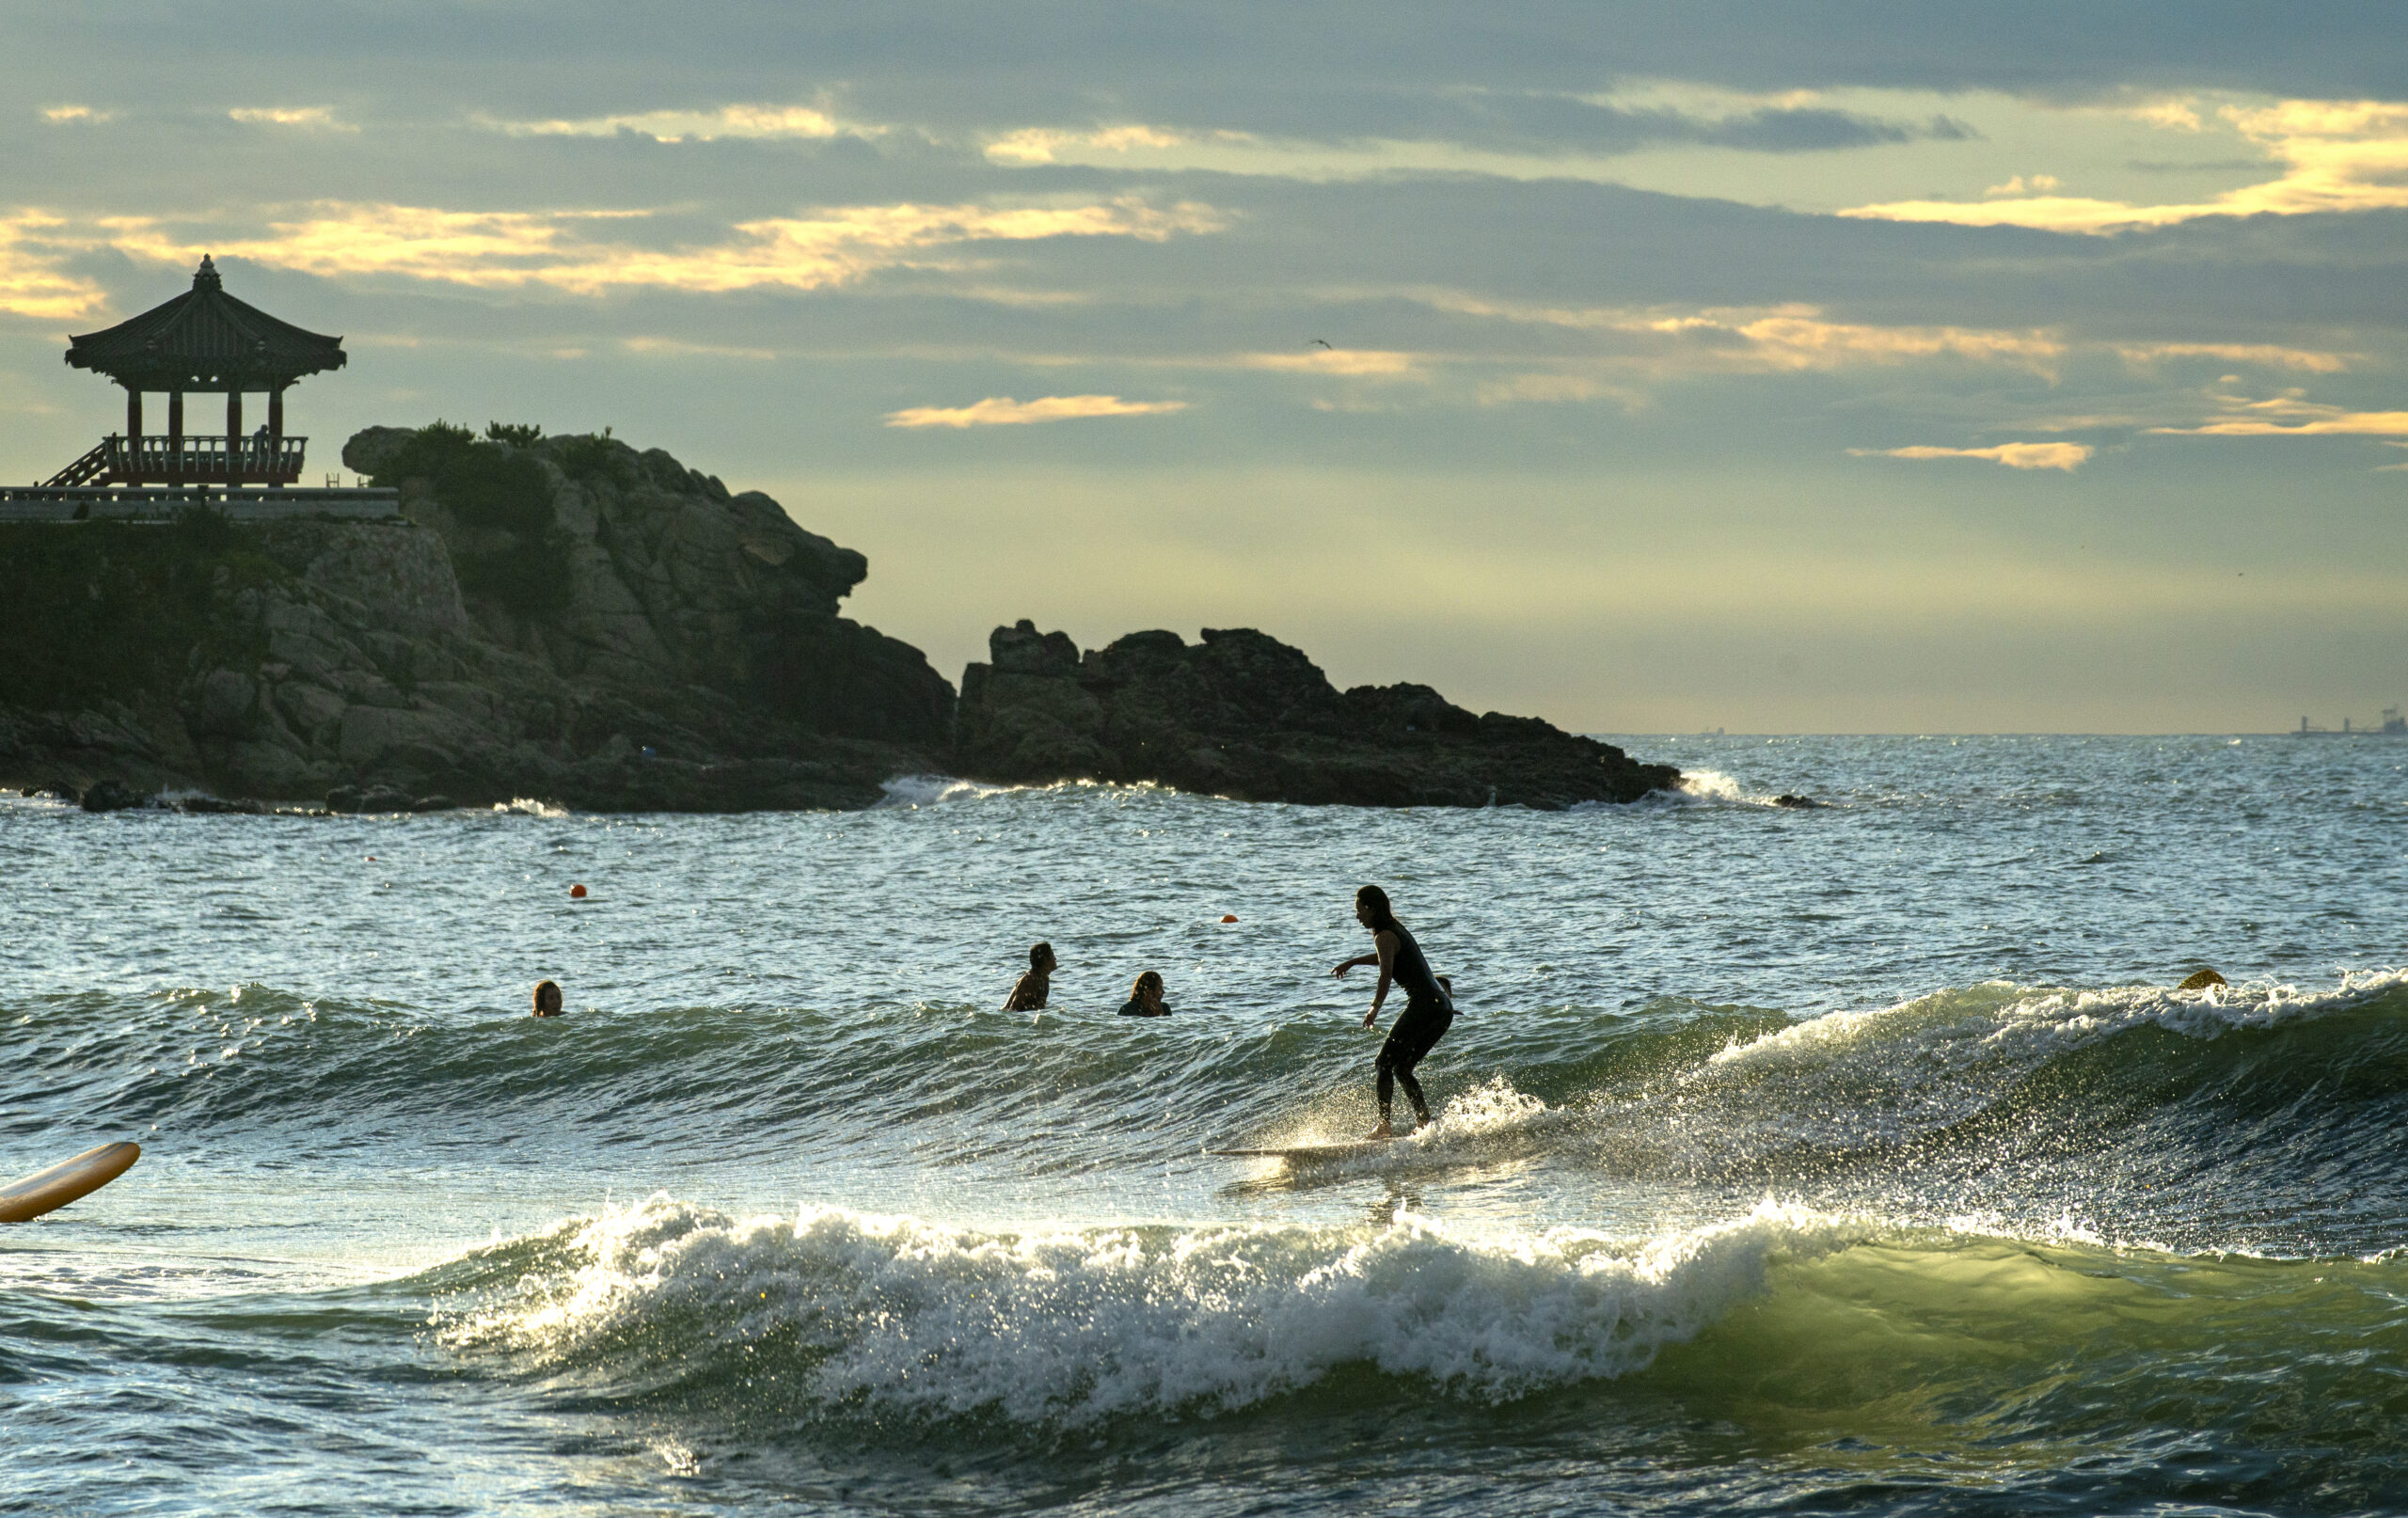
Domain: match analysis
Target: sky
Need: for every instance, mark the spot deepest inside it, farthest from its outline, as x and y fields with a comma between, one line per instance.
x=1774, y=367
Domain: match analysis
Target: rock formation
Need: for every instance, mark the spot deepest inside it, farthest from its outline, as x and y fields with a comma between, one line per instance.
x=568, y=620
x=1244, y=715
x=561, y=618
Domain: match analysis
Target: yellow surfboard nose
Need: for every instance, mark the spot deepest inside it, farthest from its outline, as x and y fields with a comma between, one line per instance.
x=46, y=1191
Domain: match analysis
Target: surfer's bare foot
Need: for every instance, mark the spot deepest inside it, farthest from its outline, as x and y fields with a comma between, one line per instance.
x=1383, y=1131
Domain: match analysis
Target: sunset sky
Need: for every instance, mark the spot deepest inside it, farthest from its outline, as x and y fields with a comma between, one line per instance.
x=1872, y=367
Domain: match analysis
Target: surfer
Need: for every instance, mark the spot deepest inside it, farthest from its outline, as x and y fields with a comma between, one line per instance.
x=547, y=998
x=1030, y=991
x=1428, y=1010
x=1145, y=998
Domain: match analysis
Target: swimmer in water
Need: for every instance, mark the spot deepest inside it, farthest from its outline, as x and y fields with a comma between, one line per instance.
x=1145, y=998
x=1428, y=1010
x=547, y=998
x=1030, y=991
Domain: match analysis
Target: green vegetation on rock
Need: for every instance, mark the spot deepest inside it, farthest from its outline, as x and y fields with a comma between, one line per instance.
x=114, y=609
x=509, y=546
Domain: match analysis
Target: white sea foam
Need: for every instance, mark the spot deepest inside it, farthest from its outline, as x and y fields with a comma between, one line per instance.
x=1071, y=1325
x=1700, y=787
x=526, y=806
x=906, y=791
x=1964, y=1028
x=1488, y=1110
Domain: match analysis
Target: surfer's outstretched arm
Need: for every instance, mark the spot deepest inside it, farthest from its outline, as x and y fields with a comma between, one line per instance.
x=1355, y=963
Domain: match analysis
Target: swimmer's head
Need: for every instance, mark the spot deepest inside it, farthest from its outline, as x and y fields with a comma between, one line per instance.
x=1040, y=957
x=1147, y=981
x=1371, y=909
x=547, y=998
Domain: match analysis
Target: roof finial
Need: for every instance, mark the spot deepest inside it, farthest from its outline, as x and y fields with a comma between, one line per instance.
x=205, y=277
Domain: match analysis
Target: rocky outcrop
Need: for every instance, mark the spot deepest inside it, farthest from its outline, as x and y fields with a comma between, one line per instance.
x=564, y=619
x=1244, y=715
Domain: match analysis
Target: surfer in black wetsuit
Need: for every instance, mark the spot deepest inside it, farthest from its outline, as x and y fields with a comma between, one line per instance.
x=1145, y=998
x=1031, y=992
x=1428, y=1010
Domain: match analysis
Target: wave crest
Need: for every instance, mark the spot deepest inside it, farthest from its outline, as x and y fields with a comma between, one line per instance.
x=1066, y=1327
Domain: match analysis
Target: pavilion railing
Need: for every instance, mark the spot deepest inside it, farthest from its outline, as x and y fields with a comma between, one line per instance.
x=202, y=458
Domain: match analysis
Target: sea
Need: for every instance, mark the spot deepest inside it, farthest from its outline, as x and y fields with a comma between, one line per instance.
x=1860, y=1158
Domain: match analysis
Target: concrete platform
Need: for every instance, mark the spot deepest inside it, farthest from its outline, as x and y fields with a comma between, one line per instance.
x=165, y=503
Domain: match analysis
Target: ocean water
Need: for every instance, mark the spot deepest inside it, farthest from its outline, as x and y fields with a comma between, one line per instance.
x=1855, y=1160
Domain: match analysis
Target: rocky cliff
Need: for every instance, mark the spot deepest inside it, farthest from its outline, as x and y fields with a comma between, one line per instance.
x=1244, y=715
x=564, y=618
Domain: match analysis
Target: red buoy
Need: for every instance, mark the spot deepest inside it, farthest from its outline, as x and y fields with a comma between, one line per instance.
x=576, y=892
x=1228, y=917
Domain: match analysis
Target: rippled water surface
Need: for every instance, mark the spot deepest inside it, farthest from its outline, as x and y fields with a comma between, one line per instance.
x=1855, y=1158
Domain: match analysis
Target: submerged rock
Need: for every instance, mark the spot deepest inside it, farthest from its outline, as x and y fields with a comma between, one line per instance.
x=113, y=795
x=1246, y=716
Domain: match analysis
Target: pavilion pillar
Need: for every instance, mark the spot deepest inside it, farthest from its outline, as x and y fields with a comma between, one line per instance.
x=175, y=437
x=134, y=435
x=233, y=438
x=273, y=463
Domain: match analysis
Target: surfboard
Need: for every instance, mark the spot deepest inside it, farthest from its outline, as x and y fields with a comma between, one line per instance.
x=46, y=1191
x=1306, y=1153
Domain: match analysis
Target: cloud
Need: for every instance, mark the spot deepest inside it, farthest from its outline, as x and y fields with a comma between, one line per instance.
x=2066, y=456
x=2338, y=156
x=728, y=121
x=1002, y=411
x=512, y=249
x=313, y=117
x=1781, y=338
x=31, y=282
x=2272, y=356
x=1361, y=363
x=2288, y=416
x=1037, y=144
x=75, y=112
x=1547, y=389
x=2018, y=185
x=2172, y=115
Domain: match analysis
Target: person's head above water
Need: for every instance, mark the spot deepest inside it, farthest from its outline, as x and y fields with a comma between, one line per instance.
x=547, y=998
x=1147, y=981
x=1371, y=909
x=1041, y=958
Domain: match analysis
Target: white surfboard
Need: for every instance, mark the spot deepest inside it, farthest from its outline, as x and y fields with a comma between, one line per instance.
x=46, y=1191
x=1308, y=1153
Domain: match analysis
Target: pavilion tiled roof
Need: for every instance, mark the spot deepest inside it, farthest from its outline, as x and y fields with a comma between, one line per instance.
x=204, y=340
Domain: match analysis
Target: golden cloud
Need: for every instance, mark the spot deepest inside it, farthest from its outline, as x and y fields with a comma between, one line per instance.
x=315, y=118
x=511, y=250
x=2288, y=416
x=1364, y=363
x=2338, y=156
x=737, y=121
x=1037, y=144
x=1782, y=338
x=31, y=282
x=1002, y=411
x=2269, y=354
x=75, y=112
x=2066, y=456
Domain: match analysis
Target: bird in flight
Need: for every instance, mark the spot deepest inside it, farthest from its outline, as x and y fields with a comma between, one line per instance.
x=1324, y=342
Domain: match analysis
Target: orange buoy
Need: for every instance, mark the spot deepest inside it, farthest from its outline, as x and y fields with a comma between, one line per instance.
x=576, y=892
x=1228, y=917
